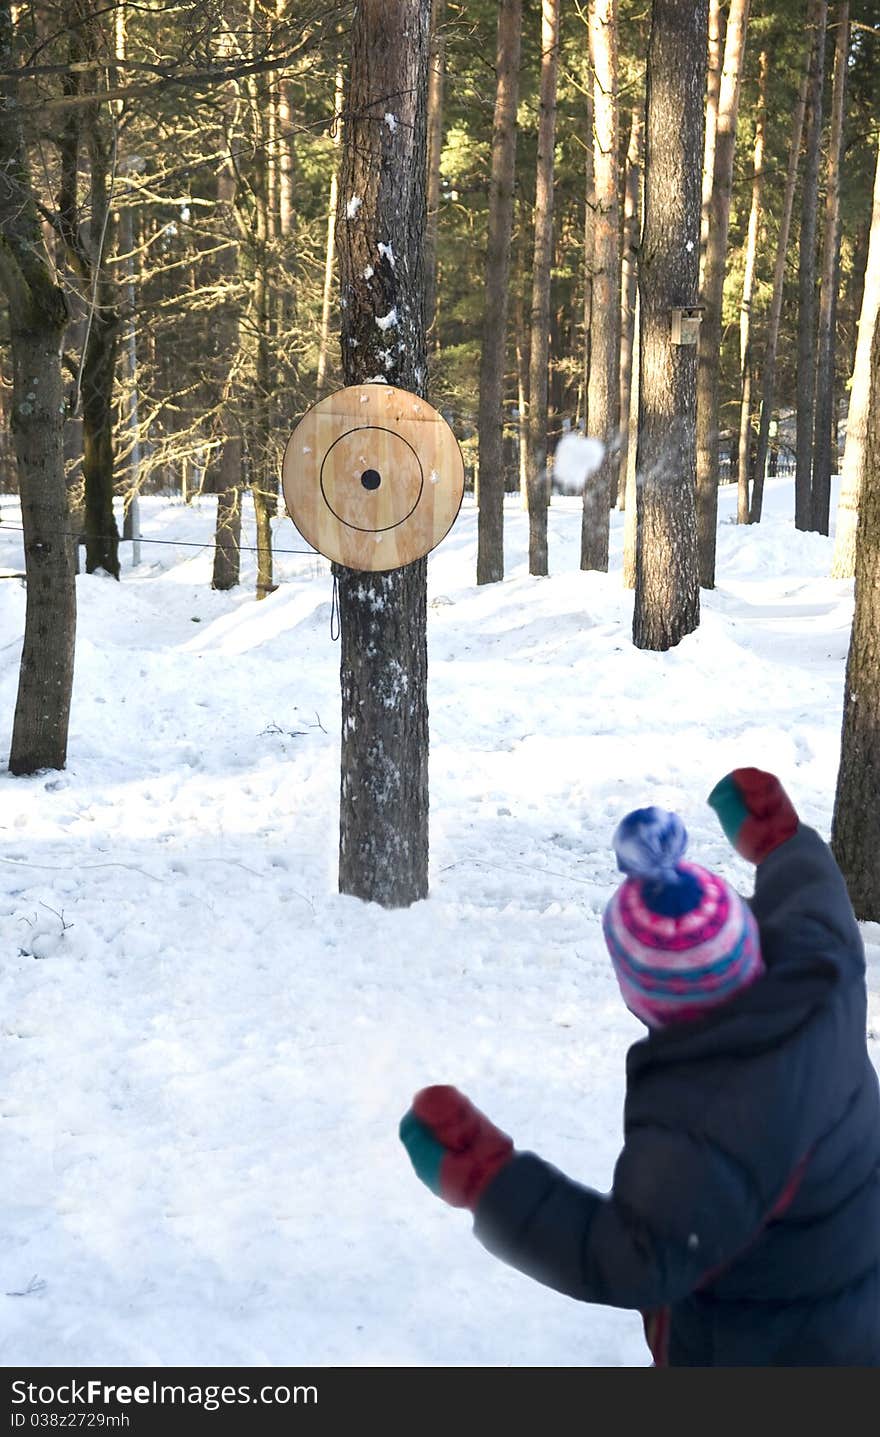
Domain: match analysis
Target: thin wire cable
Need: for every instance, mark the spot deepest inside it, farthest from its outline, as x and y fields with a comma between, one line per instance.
x=179, y=543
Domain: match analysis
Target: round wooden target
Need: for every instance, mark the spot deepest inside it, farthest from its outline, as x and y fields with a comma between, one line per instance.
x=373, y=477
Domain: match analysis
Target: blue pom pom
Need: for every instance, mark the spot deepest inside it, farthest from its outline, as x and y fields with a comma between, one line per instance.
x=649, y=844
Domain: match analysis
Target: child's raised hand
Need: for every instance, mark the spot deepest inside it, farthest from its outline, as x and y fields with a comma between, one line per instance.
x=453, y=1147
x=755, y=812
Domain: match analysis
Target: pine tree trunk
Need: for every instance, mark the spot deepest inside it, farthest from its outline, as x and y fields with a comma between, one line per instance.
x=855, y=832
x=667, y=598
x=227, y=535
x=709, y=364
x=806, y=342
x=603, y=402
x=264, y=483
x=37, y=319
x=826, y=417
x=538, y=485
x=329, y=248
x=745, y=309
x=630, y=519
x=436, y=77
x=589, y=251
x=383, y=834
x=628, y=290
x=768, y=367
x=490, y=526
x=843, y=562
x=713, y=89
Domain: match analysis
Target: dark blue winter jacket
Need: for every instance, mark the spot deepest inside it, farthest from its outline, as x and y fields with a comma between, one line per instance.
x=745, y=1208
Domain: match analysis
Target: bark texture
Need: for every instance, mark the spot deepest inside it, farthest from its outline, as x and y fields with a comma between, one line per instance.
x=380, y=231
x=490, y=526
x=603, y=400
x=806, y=342
x=537, y=482
x=37, y=319
x=709, y=365
x=768, y=367
x=855, y=832
x=743, y=467
x=843, y=564
x=667, y=599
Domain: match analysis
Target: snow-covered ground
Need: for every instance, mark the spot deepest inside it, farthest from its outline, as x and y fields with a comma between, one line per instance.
x=206, y=1050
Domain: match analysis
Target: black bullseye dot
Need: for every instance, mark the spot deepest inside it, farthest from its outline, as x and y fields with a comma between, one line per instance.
x=371, y=479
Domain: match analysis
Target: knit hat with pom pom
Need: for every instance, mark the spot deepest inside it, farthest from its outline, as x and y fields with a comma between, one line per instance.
x=681, y=940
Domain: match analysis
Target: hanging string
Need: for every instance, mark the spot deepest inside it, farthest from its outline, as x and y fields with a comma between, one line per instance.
x=335, y=617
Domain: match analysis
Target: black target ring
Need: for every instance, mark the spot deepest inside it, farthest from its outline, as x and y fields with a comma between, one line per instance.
x=362, y=429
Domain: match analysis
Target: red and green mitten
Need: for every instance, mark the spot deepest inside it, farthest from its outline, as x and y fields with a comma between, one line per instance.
x=755, y=812
x=453, y=1147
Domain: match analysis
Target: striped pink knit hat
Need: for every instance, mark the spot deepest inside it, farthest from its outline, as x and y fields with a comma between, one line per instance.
x=681, y=940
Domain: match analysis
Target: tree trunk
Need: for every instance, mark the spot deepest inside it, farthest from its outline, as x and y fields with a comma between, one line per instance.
x=768, y=368
x=630, y=519
x=745, y=309
x=523, y=356
x=330, y=247
x=667, y=598
x=628, y=290
x=538, y=484
x=855, y=831
x=37, y=319
x=383, y=832
x=227, y=536
x=101, y=533
x=843, y=562
x=709, y=364
x=589, y=250
x=603, y=401
x=806, y=342
x=436, y=77
x=713, y=89
x=490, y=526
x=826, y=417
x=263, y=474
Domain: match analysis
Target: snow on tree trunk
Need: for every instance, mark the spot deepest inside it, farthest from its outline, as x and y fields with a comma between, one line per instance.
x=855, y=831
x=380, y=230
x=667, y=598
x=843, y=562
x=490, y=527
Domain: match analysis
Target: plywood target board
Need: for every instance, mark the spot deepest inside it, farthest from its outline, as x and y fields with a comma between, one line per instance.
x=373, y=477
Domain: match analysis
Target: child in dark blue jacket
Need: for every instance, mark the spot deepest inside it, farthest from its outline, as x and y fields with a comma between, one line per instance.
x=744, y=1216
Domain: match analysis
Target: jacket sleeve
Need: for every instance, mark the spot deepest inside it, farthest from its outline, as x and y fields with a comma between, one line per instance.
x=679, y=1210
x=801, y=903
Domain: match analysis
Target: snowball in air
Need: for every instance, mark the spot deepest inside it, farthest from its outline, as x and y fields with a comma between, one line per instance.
x=577, y=457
